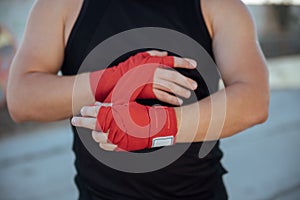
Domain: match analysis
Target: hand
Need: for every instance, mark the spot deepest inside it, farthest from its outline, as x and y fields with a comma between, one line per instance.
x=165, y=80
x=129, y=127
x=88, y=120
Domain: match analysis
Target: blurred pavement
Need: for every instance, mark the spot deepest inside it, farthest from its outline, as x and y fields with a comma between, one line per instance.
x=263, y=162
x=38, y=165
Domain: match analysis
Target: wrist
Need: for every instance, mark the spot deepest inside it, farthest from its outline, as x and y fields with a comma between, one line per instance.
x=82, y=94
x=179, y=135
x=178, y=116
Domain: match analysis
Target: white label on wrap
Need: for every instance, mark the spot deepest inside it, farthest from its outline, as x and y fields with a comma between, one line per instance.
x=162, y=141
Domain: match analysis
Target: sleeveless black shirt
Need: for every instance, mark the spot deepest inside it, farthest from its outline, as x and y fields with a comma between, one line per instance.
x=189, y=177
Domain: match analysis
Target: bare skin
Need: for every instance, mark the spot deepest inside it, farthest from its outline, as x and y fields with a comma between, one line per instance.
x=236, y=51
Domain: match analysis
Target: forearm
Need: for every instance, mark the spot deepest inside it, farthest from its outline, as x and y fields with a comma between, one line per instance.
x=223, y=114
x=44, y=96
x=47, y=97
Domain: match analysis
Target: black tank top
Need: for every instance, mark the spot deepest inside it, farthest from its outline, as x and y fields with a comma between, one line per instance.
x=189, y=177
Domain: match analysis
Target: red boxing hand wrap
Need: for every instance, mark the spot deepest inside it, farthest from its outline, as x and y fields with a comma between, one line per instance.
x=134, y=127
x=129, y=125
x=102, y=82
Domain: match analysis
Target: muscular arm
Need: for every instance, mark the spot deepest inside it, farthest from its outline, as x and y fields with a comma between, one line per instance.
x=244, y=73
x=35, y=91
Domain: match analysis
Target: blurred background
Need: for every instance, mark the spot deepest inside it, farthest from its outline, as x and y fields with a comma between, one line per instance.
x=36, y=161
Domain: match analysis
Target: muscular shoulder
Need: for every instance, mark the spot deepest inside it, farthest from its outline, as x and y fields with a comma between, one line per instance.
x=58, y=8
x=229, y=6
x=47, y=7
x=60, y=14
x=220, y=13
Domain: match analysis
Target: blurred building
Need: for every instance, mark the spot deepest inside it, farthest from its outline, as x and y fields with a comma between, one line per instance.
x=278, y=28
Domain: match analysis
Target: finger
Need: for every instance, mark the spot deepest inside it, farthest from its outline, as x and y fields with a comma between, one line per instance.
x=171, y=87
x=184, y=63
x=92, y=111
x=89, y=111
x=175, y=77
x=167, y=98
x=157, y=53
x=107, y=146
x=84, y=122
x=100, y=137
x=191, y=61
x=103, y=104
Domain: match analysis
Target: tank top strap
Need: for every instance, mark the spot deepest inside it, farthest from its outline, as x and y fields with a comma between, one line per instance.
x=82, y=33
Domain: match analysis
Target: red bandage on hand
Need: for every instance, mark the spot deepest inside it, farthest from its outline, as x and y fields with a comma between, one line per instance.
x=129, y=125
x=102, y=82
x=134, y=127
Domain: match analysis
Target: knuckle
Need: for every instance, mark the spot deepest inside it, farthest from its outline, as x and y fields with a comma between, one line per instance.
x=83, y=111
x=168, y=74
x=174, y=89
x=159, y=73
